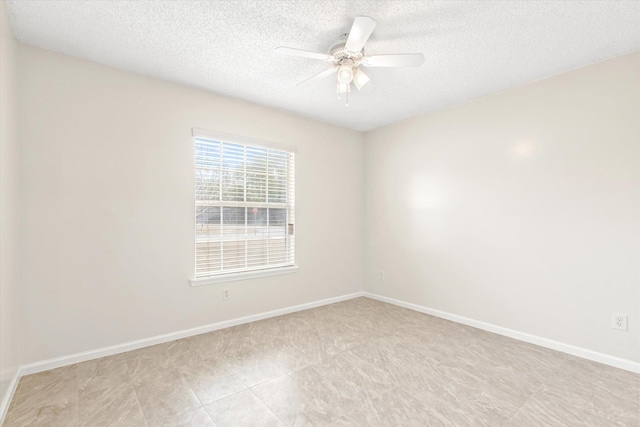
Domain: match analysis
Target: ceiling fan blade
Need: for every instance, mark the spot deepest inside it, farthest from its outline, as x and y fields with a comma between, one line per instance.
x=318, y=76
x=360, y=32
x=401, y=60
x=302, y=53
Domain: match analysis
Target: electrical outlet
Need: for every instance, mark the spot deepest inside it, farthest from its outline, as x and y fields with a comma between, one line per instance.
x=381, y=275
x=225, y=294
x=619, y=321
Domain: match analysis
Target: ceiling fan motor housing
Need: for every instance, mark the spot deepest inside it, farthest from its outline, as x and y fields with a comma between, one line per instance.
x=340, y=53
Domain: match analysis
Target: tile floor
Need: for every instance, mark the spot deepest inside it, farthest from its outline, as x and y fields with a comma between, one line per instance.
x=359, y=362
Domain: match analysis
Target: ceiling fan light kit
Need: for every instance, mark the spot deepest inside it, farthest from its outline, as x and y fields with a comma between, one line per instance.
x=347, y=56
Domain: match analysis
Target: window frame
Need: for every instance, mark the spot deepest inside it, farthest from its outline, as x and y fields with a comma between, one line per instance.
x=253, y=273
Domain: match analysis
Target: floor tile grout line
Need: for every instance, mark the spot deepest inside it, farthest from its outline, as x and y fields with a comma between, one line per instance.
x=315, y=364
x=541, y=386
x=267, y=406
x=190, y=388
x=265, y=381
x=523, y=404
x=224, y=397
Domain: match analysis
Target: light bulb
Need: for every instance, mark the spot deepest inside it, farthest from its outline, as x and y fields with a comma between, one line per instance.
x=345, y=74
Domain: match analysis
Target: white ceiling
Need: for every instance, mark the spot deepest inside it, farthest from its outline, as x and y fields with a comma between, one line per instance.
x=471, y=48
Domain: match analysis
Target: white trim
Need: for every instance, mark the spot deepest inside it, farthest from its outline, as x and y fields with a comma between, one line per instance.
x=58, y=362
x=243, y=275
x=606, y=359
x=238, y=139
x=6, y=400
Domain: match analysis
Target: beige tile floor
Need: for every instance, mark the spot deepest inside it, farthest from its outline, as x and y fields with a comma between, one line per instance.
x=359, y=362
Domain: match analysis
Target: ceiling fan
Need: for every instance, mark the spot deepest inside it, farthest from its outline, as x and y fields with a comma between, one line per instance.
x=346, y=57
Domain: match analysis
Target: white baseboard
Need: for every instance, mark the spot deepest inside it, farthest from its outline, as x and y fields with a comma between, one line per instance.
x=584, y=353
x=58, y=362
x=6, y=399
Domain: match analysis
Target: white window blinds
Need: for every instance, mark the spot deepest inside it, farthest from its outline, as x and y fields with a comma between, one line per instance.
x=244, y=207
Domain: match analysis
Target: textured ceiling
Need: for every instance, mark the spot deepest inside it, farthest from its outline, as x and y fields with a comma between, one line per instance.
x=471, y=48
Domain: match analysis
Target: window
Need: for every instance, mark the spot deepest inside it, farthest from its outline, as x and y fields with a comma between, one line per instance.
x=244, y=213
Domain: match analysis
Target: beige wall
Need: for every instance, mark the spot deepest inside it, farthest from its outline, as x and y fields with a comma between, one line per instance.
x=519, y=209
x=9, y=293
x=107, y=199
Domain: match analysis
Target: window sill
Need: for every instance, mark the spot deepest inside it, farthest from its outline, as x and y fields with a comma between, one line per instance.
x=244, y=275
